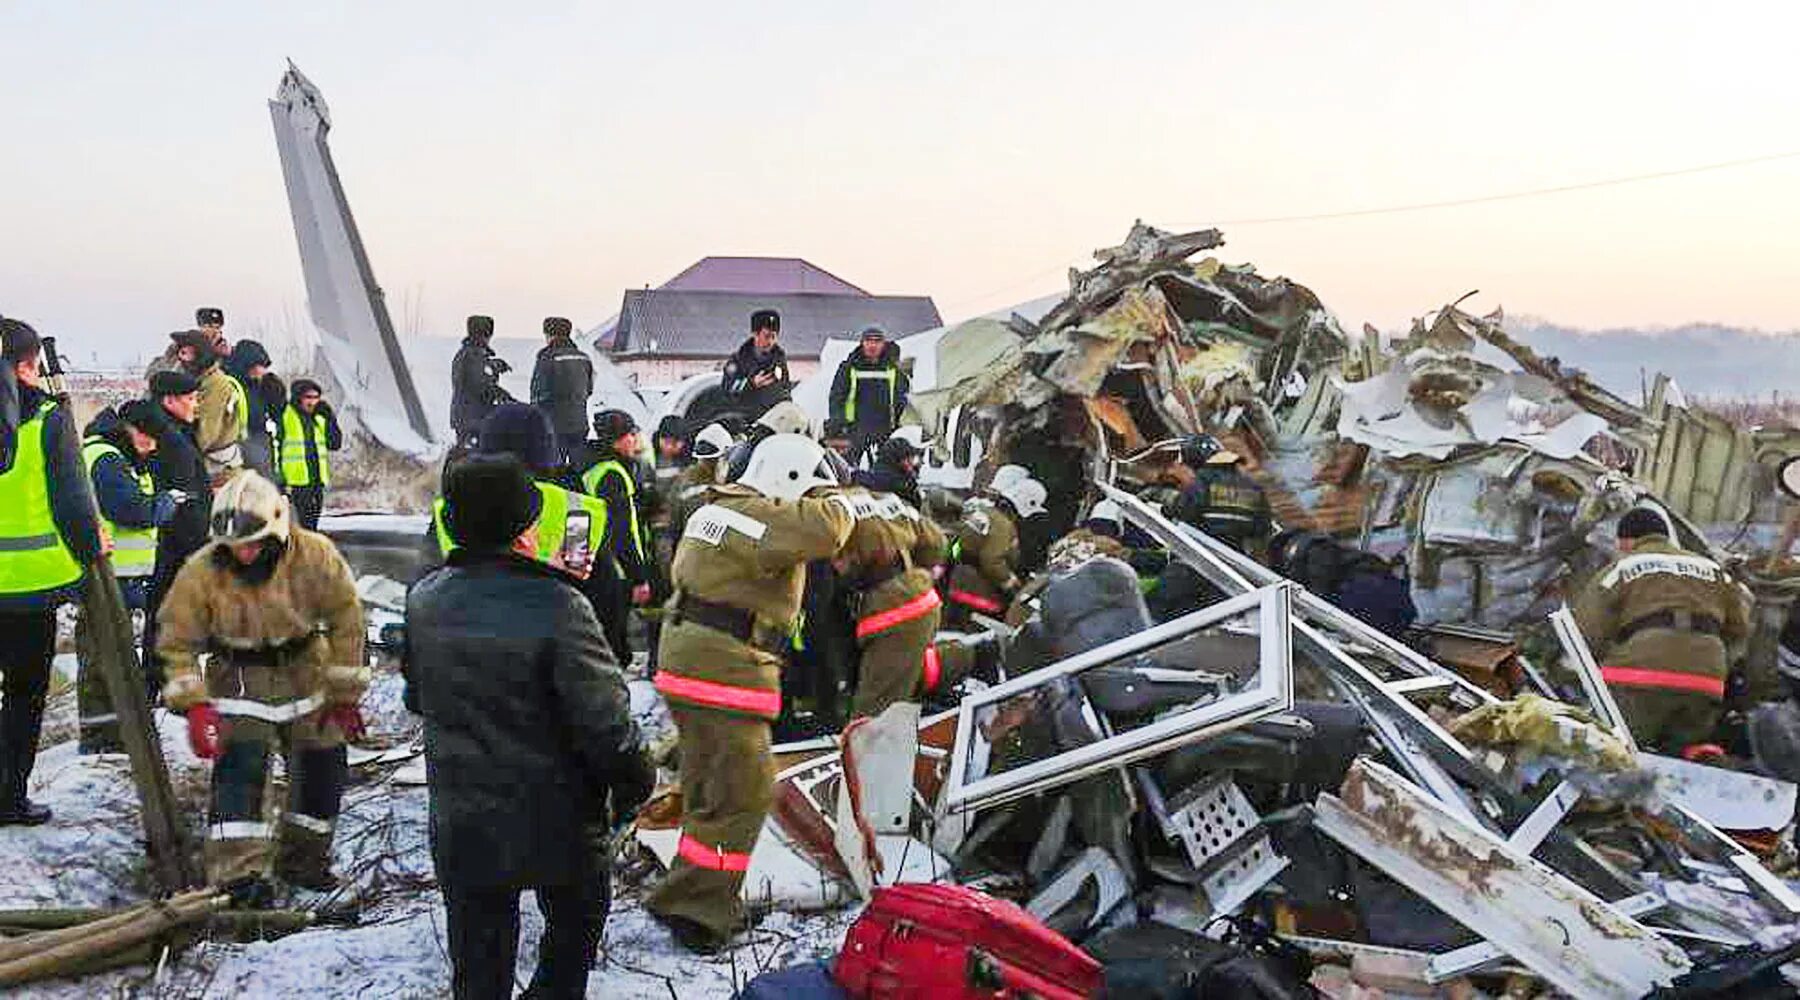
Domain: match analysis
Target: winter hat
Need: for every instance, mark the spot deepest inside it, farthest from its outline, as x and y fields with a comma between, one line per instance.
x=301, y=387
x=209, y=316
x=874, y=331
x=611, y=425
x=765, y=319
x=520, y=430
x=1640, y=522
x=897, y=449
x=557, y=326
x=173, y=382
x=144, y=415
x=481, y=326
x=18, y=341
x=489, y=500
x=245, y=355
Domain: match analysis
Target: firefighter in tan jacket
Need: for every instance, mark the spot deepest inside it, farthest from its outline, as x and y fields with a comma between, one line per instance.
x=262, y=634
x=984, y=552
x=1661, y=623
x=738, y=574
x=887, y=564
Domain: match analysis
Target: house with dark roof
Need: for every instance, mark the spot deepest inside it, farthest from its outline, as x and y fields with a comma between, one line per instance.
x=695, y=320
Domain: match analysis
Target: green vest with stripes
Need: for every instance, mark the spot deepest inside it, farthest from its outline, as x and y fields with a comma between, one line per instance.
x=296, y=430
x=134, y=549
x=34, y=558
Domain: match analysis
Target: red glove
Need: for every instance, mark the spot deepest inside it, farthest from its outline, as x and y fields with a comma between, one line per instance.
x=205, y=730
x=348, y=719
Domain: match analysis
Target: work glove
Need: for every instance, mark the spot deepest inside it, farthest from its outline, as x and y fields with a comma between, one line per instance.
x=348, y=719
x=206, y=731
x=632, y=784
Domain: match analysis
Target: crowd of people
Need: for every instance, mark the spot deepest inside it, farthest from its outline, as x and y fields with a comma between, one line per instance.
x=787, y=580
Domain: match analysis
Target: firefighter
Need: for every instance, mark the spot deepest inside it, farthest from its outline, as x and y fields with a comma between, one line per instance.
x=984, y=550
x=869, y=392
x=616, y=478
x=1662, y=622
x=689, y=489
x=738, y=575
x=273, y=608
x=116, y=449
x=48, y=535
x=1223, y=500
x=887, y=565
x=309, y=429
x=757, y=376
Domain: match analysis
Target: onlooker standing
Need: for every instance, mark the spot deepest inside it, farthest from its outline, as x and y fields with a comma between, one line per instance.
x=533, y=755
x=176, y=465
x=474, y=382
x=48, y=534
x=309, y=429
x=561, y=383
x=757, y=375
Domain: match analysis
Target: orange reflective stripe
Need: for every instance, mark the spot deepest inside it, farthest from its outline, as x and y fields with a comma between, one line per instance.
x=881, y=621
x=711, y=858
x=976, y=601
x=727, y=696
x=1667, y=680
x=934, y=668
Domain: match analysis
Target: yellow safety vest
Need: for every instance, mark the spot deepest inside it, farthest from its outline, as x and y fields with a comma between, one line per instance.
x=859, y=375
x=590, y=481
x=552, y=521
x=34, y=558
x=134, y=549
x=296, y=430
x=241, y=402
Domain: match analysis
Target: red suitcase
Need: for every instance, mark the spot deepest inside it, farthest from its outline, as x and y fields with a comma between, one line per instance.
x=945, y=942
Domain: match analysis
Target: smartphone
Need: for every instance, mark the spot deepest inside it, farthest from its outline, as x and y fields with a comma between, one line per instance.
x=576, y=553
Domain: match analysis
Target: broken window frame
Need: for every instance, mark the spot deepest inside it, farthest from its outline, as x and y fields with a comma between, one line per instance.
x=1272, y=691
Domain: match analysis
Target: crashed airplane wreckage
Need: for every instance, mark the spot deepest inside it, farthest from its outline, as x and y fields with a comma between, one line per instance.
x=1421, y=813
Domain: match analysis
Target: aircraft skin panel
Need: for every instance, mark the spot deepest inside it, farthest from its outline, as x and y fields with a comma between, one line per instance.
x=344, y=300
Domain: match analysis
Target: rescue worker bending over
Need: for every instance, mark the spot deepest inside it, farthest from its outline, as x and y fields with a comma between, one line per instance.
x=272, y=608
x=738, y=575
x=116, y=451
x=887, y=564
x=1661, y=622
x=1223, y=500
x=984, y=550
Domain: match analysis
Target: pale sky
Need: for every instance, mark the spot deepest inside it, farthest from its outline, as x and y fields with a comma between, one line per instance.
x=542, y=159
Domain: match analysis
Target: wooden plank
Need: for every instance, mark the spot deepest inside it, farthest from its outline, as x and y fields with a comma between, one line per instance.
x=1572, y=938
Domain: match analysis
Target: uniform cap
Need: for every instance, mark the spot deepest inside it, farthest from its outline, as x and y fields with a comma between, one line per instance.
x=209, y=316
x=172, y=382
x=765, y=319
x=481, y=326
x=558, y=326
x=611, y=425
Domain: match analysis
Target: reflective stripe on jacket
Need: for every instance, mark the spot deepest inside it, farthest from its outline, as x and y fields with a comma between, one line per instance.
x=134, y=549
x=297, y=430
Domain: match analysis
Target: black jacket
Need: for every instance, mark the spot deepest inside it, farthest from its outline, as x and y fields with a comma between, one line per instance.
x=561, y=383
x=877, y=410
x=473, y=384
x=528, y=728
x=177, y=465
x=265, y=397
x=747, y=364
x=71, y=497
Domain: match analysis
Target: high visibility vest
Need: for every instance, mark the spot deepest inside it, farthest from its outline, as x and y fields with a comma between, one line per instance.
x=240, y=401
x=34, y=558
x=860, y=375
x=552, y=522
x=134, y=549
x=590, y=481
x=296, y=430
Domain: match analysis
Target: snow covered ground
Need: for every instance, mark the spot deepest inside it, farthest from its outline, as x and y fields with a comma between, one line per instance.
x=91, y=855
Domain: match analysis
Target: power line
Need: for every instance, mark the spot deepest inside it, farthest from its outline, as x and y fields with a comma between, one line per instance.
x=1514, y=195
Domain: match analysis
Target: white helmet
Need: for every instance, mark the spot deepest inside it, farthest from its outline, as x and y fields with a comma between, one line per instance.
x=1005, y=475
x=1106, y=510
x=786, y=417
x=249, y=508
x=713, y=441
x=1026, y=495
x=785, y=466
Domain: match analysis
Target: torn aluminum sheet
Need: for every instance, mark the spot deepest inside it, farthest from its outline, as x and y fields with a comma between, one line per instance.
x=1573, y=939
x=1111, y=887
x=973, y=785
x=782, y=877
x=1730, y=800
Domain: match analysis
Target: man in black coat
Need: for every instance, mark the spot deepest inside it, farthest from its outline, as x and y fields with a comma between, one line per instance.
x=176, y=466
x=251, y=365
x=475, y=382
x=896, y=471
x=757, y=375
x=561, y=383
x=533, y=755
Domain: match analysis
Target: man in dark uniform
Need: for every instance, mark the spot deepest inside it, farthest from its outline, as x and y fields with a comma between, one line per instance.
x=1223, y=500
x=48, y=536
x=1661, y=623
x=757, y=375
x=869, y=392
x=178, y=466
x=616, y=477
x=474, y=382
x=561, y=383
